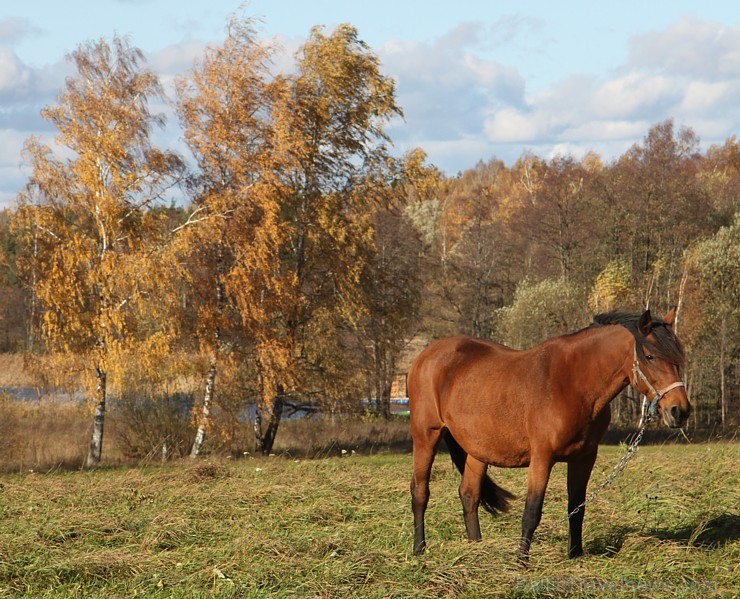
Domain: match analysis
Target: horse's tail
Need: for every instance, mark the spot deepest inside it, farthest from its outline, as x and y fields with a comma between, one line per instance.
x=492, y=497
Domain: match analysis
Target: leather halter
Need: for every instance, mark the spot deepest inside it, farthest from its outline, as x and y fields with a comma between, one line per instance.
x=637, y=373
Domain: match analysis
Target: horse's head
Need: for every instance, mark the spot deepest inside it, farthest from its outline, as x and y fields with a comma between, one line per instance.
x=655, y=372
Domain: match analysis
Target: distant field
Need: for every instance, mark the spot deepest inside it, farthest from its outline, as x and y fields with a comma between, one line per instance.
x=340, y=527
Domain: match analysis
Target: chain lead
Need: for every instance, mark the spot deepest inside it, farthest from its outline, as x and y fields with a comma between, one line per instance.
x=631, y=451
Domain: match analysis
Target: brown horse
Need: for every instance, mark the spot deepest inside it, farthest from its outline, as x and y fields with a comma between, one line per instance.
x=507, y=408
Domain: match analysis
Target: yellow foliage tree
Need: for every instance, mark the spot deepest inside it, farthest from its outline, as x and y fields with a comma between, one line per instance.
x=290, y=168
x=85, y=218
x=613, y=287
x=224, y=104
x=329, y=130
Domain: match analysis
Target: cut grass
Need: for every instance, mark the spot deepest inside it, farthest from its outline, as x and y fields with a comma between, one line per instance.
x=339, y=527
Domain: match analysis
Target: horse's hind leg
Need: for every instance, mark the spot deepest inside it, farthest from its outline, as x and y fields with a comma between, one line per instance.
x=470, y=491
x=425, y=447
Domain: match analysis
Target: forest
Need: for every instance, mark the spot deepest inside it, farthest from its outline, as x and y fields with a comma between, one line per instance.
x=293, y=264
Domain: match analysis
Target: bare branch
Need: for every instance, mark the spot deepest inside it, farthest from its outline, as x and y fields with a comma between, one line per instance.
x=191, y=220
x=47, y=231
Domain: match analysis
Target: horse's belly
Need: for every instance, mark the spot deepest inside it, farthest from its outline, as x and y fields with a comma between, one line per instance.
x=504, y=449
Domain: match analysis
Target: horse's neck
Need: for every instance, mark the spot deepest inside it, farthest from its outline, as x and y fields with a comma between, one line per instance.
x=603, y=356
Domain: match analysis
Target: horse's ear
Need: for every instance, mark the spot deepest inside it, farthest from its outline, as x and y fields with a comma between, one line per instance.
x=670, y=318
x=645, y=323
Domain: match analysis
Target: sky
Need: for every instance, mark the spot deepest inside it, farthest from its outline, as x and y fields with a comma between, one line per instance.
x=476, y=79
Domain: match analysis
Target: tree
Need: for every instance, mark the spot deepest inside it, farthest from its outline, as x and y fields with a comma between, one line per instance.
x=541, y=310
x=391, y=290
x=332, y=165
x=85, y=218
x=662, y=207
x=290, y=169
x=612, y=289
x=715, y=262
x=13, y=300
x=475, y=279
x=224, y=105
x=558, y=218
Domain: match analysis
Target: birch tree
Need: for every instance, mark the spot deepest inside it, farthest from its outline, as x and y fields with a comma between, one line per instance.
x=224, y=105
x=289, y=162
x=86, y=212
x=329, y=130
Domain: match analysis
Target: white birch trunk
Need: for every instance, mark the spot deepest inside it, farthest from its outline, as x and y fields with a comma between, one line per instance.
x=200, y=435
x=96, y=441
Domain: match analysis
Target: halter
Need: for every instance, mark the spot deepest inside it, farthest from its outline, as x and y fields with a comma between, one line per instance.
x=657, y=394
x=637, y=373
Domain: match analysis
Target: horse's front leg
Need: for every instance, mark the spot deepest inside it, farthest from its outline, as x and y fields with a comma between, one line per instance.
x=537, y=477
x=579, y=471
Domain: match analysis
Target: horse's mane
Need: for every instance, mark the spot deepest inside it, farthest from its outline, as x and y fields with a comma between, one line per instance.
x=664, y=343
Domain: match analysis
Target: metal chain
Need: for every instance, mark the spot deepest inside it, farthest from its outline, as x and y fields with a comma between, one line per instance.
x=648, y=413
x=631, y=451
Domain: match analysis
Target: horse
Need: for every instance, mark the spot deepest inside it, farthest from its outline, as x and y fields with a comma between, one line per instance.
x=498, y=406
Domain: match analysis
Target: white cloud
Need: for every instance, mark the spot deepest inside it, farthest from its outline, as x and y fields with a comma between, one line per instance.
x=453, y=97
x=14, y=29
x=606, y=130
x=701, y=97
x=609, y=113
x=460, y=104
x=15, y=77
x=690, y=47
x=13, y=174
x=511, y=125
x=11, y=144
x=176, y=58
x=635, y=94
x=446, y=88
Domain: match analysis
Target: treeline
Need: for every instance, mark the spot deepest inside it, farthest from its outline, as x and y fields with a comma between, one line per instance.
x=290, y=267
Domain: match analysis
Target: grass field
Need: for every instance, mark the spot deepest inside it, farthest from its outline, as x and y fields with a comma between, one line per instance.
x=341, y=527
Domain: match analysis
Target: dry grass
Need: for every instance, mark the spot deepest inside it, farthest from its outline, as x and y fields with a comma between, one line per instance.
x=324, y=437
x=340, y=527
x=47, y=434
x=41, y=435
x=12, y=373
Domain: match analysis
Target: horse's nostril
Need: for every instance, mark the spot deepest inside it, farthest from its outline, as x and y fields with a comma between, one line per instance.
x=678, y=415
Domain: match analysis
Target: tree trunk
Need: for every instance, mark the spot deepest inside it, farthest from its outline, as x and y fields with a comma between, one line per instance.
x=679, y=304
x=265, y=439
x=384, y=369
x=96, y=441
x=378, y=378
x=388, y=373
x=722, y=386
x=200, y=435
x=34, y=284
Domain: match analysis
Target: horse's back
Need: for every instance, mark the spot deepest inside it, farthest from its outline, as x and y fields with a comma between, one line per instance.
x=450, y=352
x=445, y=362
x=472, y=387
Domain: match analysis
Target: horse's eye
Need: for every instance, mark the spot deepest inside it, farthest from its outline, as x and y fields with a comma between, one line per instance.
x=649, y=357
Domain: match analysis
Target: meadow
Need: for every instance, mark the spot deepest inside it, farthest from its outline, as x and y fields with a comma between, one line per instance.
x=669, y=526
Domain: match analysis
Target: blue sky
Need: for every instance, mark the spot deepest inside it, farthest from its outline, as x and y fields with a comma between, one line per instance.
x=476, y=79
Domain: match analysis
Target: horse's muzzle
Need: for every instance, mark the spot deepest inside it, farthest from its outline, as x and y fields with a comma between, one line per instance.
x=675, y=416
